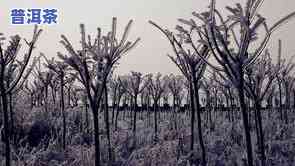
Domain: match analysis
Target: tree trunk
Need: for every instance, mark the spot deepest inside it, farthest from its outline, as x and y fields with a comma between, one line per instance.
x=134, y=116
x=107, y=122
x=231, y=104
x=45, y=99
x=86, y=116
x=11, y=116
x=227, y=105
x=6, y=124
x=94, y=107
x=155, y=118
x=96, y=136
x=174, y=112
x=280, y=109
x=53, y=94
x=192, y=107
x=32, y=100
x=63, y=112
x=69, y=97
x=245, y=118
x=196, y=91
x=117, y=113
x=113, y=109
x=260, y=131
x=287, y=102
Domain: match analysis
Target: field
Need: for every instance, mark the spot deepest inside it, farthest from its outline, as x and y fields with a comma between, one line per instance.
x=231, y=103
x=223, y=139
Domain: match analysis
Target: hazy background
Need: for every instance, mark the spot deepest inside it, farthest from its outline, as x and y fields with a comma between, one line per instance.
x=150, y=55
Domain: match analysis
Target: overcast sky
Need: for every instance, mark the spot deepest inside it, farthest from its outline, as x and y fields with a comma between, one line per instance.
x=150, y=55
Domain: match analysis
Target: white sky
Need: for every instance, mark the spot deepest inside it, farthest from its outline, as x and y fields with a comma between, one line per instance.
x=150, y=55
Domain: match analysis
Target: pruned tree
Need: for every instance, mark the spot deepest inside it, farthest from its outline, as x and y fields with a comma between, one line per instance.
x=70, y=81
x=259, y=78
x=31, y=91
x=44, y=79
x=207, y=86
x=105, y=107
x=134, y=85
x=283, y=79
x=156, y=85
x=192, y=66
x=166, y=93
x=54, y=87
x=175, y=86
x=114, y=86
x=93, y=63
x=120, y=92
x=230, y=49
x=146, y=103
x=60, y=68
x=8, y=60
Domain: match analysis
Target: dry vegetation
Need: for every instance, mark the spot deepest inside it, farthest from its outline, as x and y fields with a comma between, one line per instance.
x=73, y=110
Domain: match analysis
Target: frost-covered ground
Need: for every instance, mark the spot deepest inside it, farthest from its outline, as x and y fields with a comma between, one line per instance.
x=224, y=141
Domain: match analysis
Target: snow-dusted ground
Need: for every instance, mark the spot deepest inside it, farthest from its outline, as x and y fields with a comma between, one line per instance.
x=224, y=141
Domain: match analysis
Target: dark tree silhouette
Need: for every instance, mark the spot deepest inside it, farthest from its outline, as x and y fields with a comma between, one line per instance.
x=232, y=51
x=93, y=63
x=60, y=69
x=156, y=85
x=8, y=60
x=134, y=85
x=193, y=68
